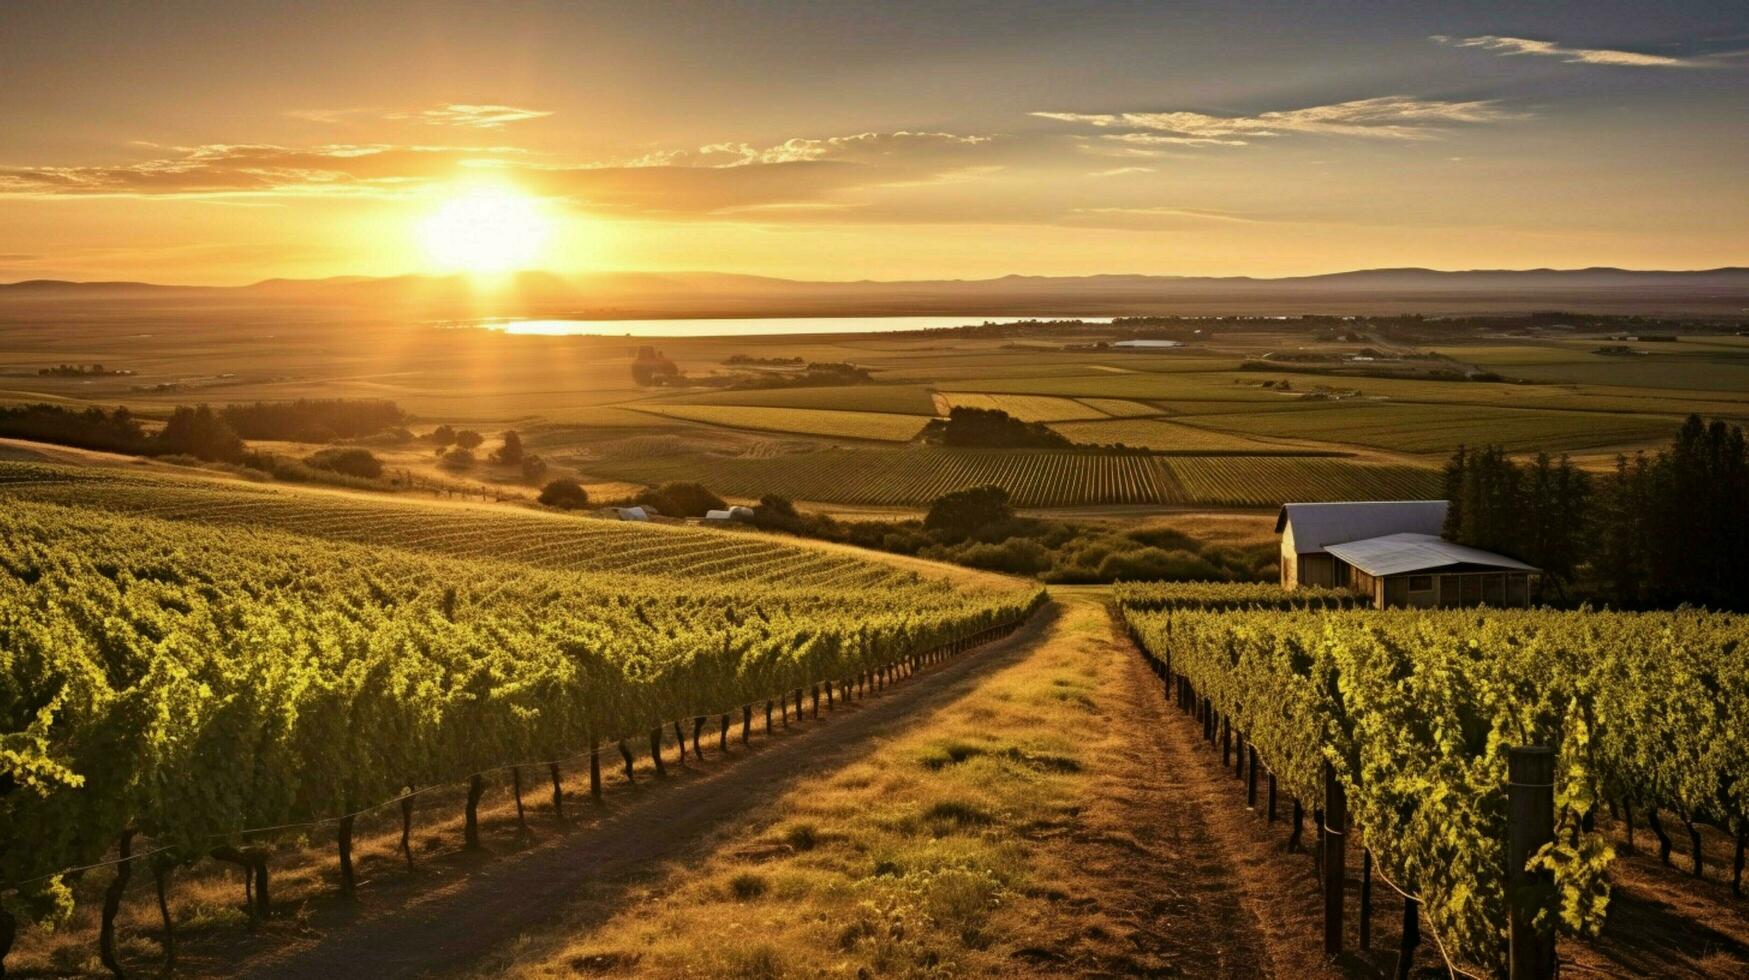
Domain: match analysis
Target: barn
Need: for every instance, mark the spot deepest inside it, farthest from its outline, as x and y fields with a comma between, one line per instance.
x=1392, y=551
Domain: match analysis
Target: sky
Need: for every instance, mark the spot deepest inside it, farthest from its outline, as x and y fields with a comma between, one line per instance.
x=229, y=142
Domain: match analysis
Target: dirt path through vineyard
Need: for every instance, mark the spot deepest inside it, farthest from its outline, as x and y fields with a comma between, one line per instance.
x=1160, y=893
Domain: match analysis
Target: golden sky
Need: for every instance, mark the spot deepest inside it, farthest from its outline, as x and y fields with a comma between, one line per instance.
x=224, y=143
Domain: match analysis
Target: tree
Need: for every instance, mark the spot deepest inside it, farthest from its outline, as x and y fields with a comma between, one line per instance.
x=1536, y=513
x=533, y=468
x=991, y=428
x=509, y=454
x=469, y=439
x=652, y=367
x=565, y=494
x=443, y=435
x=456, y=458
x=964, y=512
x=351, y=462
x=681, y=499
x=200, y=433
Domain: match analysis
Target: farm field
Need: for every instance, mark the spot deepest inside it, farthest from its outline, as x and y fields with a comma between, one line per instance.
x=1429, y=428
x=879, y=426
x=1168, y=436
x=896, y=399
x=574, y=400
x=1036, y=478
x=1027, y=408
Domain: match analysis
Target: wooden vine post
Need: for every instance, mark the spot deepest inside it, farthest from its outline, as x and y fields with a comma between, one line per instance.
x=471, y=824
x=1530, y=823
x=343, y=841
x=1366, y=898
x=407, y=823
x=595, y=769
x=656, y=752
x=1334, y=837
x=1251, y=775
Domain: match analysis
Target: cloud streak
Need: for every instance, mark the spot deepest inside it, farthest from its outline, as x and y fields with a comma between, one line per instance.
x=458, y=115
x=1573, y=56
x=714, y=179
x=222, y=169
x=1389, y=117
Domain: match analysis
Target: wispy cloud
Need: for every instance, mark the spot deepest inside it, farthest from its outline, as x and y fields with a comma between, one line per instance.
x=714, y=179
x=222, y=169
x=461, y=115
x=1581, y=56
x=1395, y=117
x=861, y=147
x=1120, y=171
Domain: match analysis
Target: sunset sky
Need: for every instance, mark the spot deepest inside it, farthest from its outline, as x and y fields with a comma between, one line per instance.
x=229, y=142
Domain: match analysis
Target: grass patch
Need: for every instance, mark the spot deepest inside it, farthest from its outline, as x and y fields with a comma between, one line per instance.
x=802, y=836
x=747, y=886
x=958, y=814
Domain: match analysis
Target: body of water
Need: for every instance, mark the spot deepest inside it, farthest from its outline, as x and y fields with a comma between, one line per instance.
x=750, y=326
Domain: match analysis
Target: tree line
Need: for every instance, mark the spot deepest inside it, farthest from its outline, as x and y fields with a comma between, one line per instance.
x=1663, y=529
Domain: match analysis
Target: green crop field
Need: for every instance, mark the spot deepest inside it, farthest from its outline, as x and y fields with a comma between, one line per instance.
x=1253, y=481
x=1429, y=428
x=1035, y=478
x=879, y=426
x=1163, y=435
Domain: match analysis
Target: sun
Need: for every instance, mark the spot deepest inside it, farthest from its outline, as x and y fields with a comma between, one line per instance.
x=486, y=230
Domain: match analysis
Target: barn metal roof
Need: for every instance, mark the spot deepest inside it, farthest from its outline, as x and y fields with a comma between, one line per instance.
x=1317, y=526
x=1399, y=554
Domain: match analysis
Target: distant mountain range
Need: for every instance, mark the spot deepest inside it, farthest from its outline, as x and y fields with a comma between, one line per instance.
x=691, y=294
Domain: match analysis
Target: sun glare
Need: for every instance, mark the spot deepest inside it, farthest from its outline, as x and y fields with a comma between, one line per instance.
x=486, y=231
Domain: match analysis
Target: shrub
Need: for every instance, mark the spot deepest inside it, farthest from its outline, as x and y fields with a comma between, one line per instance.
x=201, y=433
x=565, y=494
x=962, y=513
x=352, y=462
x=469, y=439
x=509, y=454
x=991, y=428
x=457, y=458
x=747, y=886
x=681, y=499
x=1157, y=563
x=533, y=468
x=443, y=435
x=1019, y=556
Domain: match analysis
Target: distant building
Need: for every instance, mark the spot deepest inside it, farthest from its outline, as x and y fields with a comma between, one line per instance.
x=743, y=514
x=628, y=513
x=1147, y=344
x=1392, y=551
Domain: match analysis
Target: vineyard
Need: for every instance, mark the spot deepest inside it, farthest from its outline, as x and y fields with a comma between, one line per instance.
x=188, y=677
x=543, y=541
x=1411, y=717
x=1033, y=478
x=877, y=426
